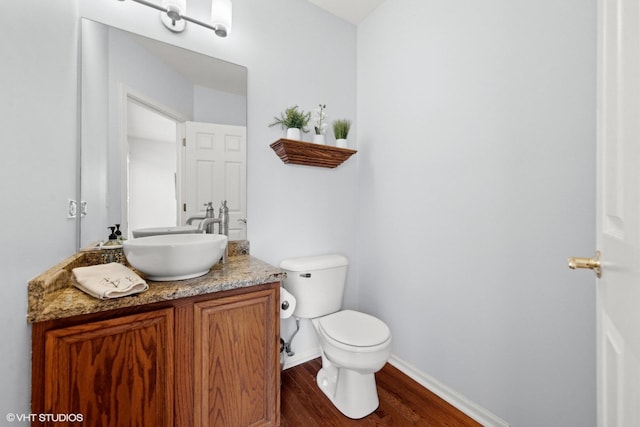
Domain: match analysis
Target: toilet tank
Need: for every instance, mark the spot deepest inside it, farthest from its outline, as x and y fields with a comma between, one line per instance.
x=317, y=283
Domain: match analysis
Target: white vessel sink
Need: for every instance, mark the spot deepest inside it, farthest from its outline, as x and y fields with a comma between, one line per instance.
x=157, y=231
x=175, y=256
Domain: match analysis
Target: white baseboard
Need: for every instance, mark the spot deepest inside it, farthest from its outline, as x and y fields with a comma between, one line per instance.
x=301, y=357
x=466, y=406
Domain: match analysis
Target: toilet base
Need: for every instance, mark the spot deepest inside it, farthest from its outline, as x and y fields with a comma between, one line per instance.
x=352, y=393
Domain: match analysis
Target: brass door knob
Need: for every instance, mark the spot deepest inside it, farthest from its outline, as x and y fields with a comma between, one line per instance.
x=590, y=263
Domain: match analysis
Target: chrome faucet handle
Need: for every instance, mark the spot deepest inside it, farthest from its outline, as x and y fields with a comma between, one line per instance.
x=211, y=213
x=224, y=218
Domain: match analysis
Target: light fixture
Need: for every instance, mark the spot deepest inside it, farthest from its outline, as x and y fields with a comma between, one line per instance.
x=173, y=15
x=221, y=17
x=172, y=19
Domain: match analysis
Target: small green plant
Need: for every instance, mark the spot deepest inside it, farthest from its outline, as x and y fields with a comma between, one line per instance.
x=341, y=128
x=293, y=118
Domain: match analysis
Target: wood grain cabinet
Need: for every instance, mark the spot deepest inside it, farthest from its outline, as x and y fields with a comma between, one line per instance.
x=210, y=360
x=113, y=370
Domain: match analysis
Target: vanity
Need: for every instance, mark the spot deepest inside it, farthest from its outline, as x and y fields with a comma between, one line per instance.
x=201, y=351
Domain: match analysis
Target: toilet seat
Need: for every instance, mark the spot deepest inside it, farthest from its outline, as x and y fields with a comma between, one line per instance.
x=354, y=331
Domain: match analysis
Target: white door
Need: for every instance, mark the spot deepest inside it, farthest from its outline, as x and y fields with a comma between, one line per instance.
x=215, y=169
x=618, y=216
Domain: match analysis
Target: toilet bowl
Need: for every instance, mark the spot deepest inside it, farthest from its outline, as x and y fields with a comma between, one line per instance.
x=354, y=345
x=354, y=340
x=351, y=355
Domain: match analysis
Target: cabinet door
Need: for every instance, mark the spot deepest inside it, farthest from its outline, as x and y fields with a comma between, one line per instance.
x=236, y=372
x=114, y=372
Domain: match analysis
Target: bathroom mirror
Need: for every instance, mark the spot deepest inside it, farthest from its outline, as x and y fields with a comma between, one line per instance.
x=163, y=132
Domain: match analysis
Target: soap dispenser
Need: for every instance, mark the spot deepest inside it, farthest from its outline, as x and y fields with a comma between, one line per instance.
x=118, y=234
x=113, y=239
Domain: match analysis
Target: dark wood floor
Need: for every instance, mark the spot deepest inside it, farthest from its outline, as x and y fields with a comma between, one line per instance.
x=403, y=402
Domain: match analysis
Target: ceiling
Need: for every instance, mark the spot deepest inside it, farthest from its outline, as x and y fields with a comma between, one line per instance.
x=353, y=11
x=200, y=69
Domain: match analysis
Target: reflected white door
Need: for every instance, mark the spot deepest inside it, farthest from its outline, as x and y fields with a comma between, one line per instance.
x=215, y=169
x=618, y=216
x=150, y=190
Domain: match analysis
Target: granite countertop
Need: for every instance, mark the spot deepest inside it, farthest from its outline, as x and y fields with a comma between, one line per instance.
x=53, y=296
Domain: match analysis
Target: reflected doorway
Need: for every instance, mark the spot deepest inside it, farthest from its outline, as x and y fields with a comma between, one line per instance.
x=174, y=167
x=152, y=167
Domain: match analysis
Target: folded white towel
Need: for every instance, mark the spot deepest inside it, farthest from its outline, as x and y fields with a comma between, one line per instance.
x=106, y=281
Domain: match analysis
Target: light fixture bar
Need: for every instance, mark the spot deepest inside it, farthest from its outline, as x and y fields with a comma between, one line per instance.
x=178, y=16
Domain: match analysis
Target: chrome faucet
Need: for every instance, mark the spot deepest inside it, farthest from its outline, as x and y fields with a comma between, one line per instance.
x=224, y=218
x=210, y=214
x=209, y=218
x=206, y=222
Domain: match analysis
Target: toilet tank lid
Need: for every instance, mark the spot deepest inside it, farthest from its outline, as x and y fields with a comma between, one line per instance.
x=311, y=263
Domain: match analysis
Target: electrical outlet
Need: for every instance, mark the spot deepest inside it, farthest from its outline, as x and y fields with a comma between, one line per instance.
x=72, y=209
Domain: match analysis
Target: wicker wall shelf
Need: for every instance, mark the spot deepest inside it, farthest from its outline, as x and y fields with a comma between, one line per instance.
x=306, y=153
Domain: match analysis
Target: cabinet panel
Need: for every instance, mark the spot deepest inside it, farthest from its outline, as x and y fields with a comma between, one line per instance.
x=207, y=360
x=236, y=367
x=113, y=372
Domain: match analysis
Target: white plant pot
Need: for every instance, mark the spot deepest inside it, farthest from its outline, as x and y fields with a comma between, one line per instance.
x=341, y=143
x=294, y=133
x=318, y=139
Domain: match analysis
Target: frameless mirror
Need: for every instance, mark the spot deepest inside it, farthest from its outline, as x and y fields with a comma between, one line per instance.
x=163, y=133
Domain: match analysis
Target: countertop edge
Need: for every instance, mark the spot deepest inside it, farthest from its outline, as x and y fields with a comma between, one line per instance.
x=53, y=296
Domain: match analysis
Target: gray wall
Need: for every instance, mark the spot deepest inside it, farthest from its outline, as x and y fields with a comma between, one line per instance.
x=214, y=106
x=476, y=124
x=37, y=169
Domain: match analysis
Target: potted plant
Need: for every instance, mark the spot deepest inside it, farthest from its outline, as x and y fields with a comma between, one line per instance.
x=320, y=124
x=341, y=131
x=293, y=121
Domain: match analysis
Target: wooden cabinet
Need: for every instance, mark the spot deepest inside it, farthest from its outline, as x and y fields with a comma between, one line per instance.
x=210, y=360
x=112, y=371
x=233, y=372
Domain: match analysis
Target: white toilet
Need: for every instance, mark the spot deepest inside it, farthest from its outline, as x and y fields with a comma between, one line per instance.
x=354, y=345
